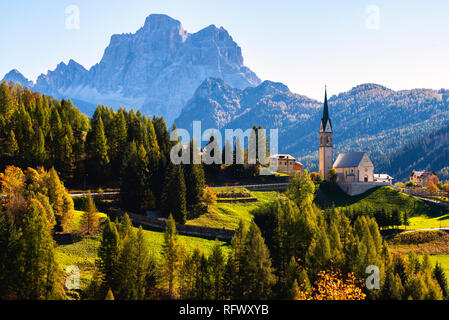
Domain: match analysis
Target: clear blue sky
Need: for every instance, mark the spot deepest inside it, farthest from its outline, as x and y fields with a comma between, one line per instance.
x=303, y=44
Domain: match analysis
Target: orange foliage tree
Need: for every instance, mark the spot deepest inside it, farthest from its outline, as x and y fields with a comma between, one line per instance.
x=331, y=285
x=431, y=188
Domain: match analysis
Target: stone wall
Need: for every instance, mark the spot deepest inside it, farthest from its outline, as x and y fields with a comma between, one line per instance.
x=356, y=188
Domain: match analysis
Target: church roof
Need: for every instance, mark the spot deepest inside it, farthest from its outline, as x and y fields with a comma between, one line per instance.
x=325, y=117
x=351, y=159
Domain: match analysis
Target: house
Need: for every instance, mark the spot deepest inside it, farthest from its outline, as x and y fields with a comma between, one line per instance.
x=285, y=163
x=354, y=167
x=383, y=177
x=421, y=178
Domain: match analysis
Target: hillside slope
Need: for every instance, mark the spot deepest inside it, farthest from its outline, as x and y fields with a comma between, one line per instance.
x=430, y=152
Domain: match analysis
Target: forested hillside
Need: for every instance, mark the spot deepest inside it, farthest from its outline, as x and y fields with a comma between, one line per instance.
x=430, y=152
x=368, y=118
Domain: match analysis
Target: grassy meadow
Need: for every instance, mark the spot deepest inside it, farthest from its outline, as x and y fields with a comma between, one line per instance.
x=84, y=252
x=228, y=215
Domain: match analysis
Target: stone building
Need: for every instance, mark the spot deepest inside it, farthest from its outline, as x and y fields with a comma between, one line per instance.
x=285, y=163
x=354, y=167
x=421, y=178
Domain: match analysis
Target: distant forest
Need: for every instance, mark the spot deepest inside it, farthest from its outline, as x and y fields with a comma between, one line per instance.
x=430, y=152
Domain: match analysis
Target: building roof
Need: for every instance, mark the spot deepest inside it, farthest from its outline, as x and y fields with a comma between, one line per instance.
x=283, y=156
x=325, y=117
x=423, y=173
x=382, y=176
x=351, y=159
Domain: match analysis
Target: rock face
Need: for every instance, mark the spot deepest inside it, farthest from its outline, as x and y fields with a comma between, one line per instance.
x=368, y=117
x=15, y=76
x=156, y=69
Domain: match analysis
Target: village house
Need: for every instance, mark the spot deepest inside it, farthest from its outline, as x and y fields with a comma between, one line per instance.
x=383, y=177
x=421, y=178
x=285, y=163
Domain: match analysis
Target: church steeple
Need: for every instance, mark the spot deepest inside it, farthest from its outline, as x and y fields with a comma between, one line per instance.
x=325, y=117
x=325, y=138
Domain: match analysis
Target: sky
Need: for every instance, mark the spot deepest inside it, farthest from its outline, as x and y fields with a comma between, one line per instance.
x=401, y=44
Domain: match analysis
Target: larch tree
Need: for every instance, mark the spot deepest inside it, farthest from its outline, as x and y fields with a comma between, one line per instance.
x=90, y=218
x=172, y=259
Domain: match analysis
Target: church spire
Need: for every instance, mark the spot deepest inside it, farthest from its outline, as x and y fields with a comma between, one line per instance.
x=325, y=117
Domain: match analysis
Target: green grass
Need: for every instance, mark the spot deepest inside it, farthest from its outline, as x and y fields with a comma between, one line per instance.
x=382, y=197
x=426, y=222
x=422, y=214
x=77, y=218
x=228, y=215
x=230, y=189
x=443, y=260
x=83, y=253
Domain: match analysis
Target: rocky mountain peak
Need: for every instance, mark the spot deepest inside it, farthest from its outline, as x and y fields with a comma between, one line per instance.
x=15, y=76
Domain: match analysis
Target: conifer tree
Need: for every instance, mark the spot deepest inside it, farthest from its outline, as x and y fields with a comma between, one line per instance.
x=108, y=254
x=174, y=194
x=9, y=249
x=440, y=277
x=135, y=192
x=98, y=150
x=258, y=277
x=217, y=269
x=39, y=152
x=40, y=272
x=89, y=219
x=6, y=100
x=171, y=254
x=109, y=295
x=194, y=179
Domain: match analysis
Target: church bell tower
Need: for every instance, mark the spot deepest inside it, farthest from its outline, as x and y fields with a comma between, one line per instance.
x=326, y=156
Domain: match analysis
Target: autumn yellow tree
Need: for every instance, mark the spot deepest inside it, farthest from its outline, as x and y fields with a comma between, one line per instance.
x=331, y=285
x=316, y=177
x=209, y=196
x=90, y=219
x=432, y=188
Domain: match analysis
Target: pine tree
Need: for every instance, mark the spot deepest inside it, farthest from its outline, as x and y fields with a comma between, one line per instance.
x=257, y=272
x=118, y=139
x=39, y=152
x=109, y=295
x=98, y=150
x=440, y=277
x=212, y=151
x=217, y=265
x=90, y=218
x=135, y=192
x=194, y=180
x=392, y=288
x=40, y=272
x=174, y=194
x=6, y=100
x=60, y=200
x=9, y=249
x=108, y=254
x=171, y=261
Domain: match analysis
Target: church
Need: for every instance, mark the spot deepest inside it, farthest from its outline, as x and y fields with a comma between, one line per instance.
x=355, y=170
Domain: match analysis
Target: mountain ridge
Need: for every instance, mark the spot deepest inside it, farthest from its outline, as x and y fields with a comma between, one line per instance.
x=369, y=117
x=156, y=69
